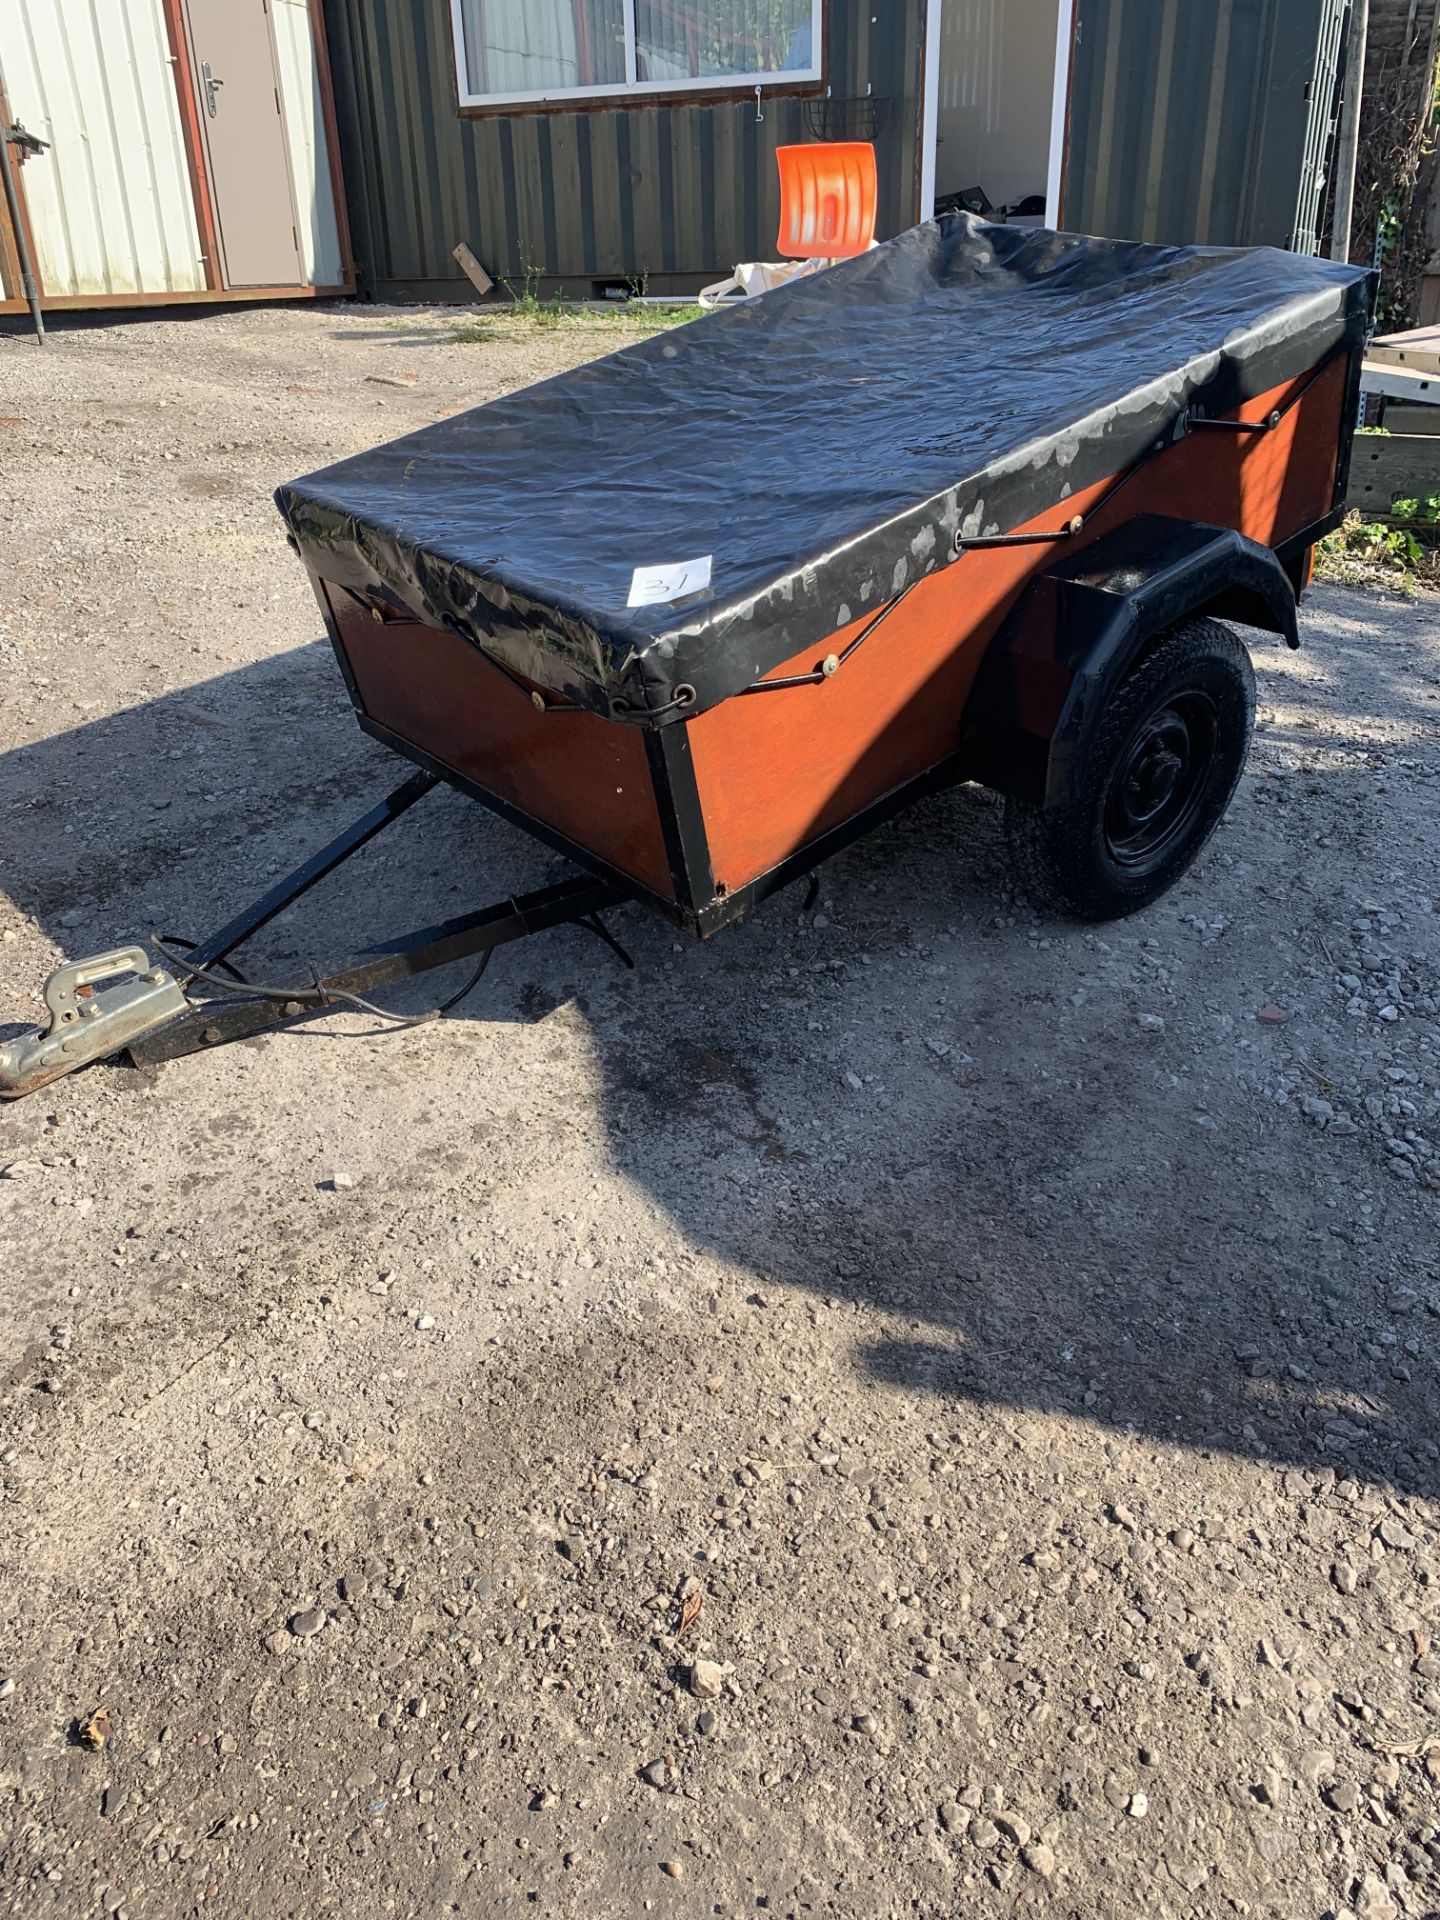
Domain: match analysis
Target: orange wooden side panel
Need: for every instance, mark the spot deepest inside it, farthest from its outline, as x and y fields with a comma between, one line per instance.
x=775, y=770
x=587, y=778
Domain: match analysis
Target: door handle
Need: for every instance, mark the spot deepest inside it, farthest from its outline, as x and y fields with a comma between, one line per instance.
x=211, y=83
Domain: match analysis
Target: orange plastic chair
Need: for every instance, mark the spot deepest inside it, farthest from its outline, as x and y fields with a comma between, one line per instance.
x=827, y=200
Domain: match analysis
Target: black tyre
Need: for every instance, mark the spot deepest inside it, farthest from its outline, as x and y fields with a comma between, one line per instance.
x=1160, y=772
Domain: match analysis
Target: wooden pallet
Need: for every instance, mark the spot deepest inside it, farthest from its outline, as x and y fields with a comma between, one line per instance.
x=1386, y=467
x=1417, y=351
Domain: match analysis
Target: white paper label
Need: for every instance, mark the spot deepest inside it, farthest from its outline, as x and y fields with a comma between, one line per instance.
x=652, y=585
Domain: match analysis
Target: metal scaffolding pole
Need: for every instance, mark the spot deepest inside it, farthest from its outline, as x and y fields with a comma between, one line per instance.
x=22, y=248
x=1347, y=146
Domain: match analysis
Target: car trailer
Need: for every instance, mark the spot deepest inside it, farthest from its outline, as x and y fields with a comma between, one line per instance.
x=978, y=505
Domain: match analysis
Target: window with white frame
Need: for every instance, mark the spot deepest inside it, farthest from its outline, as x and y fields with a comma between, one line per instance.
x=515, y=52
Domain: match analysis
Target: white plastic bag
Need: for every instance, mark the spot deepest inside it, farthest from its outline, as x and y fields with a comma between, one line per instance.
x=753, y=277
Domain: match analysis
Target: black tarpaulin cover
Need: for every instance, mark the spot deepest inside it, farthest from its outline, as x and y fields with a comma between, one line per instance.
x=695, y=509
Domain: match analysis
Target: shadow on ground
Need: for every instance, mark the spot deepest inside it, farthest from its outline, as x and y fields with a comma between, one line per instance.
x=1045, y=1216
x=170, y=815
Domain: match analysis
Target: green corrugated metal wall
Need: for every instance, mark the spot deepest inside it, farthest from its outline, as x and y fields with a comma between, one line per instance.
x=1201, y=120
x=1190, y=120
x=671, y=194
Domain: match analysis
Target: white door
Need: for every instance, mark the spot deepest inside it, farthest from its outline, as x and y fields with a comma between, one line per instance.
x=996, y=82
x=248, y=158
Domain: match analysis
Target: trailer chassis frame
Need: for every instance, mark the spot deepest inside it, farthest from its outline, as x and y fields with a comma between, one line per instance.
x=118, y=1006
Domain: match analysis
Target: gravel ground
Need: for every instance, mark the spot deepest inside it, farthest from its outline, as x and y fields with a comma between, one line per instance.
x=917, y=1408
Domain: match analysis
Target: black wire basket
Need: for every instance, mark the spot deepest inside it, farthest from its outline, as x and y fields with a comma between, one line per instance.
x=857, y=118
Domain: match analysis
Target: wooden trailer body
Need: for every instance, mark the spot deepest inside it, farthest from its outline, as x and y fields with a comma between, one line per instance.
x=882, y=466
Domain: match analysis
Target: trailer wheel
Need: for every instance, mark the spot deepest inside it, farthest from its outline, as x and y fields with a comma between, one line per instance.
x=1158, y=776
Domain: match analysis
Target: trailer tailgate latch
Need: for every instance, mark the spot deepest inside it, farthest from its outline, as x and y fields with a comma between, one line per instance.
x=97, y=1007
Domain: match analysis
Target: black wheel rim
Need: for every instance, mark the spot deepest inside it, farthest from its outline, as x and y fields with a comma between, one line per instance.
x=1159, y=780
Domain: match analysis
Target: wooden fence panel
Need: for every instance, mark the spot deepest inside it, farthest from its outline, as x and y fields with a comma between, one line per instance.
x=1386, y=467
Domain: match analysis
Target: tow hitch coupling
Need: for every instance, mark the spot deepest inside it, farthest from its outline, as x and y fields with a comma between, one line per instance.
x=97, y=1007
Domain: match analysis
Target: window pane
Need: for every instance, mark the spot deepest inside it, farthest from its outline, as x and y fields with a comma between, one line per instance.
x=690, y=39
x=522, y=46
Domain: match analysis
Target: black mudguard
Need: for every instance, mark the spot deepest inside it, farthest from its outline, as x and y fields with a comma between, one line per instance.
x=1077, y=630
